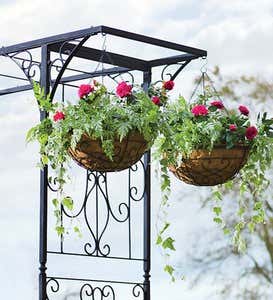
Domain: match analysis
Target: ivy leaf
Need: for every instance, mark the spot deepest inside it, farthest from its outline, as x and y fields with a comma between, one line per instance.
x=218, y=220
x=217, y=195
x=170, y=270
x=30, y=134
x=251, y=226
x=60, y=230
x=258, y=205
x=55, y=202
x=68, y=203
x=226, y=231
x=168, y=244
x=159, y=240
x=217, y=210
x=166, y=226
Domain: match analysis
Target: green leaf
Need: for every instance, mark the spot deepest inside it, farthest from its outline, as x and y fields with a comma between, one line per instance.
x=60, y=230
x=258, y=205
x=166, y=226
x=217, y=195
x=159, y=240
x=217, y=210
x=68, y=203
x=55, y=202
x=218, y=220
x=226, y=231
x=241, y=211
x=169, y=269
x=251, y=226
x=30, y=134
x=168, y=244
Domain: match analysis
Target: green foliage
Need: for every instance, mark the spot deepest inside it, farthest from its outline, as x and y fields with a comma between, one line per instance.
x=100, y=114
x=170, y=270
x=184, y=132
x=168, y=243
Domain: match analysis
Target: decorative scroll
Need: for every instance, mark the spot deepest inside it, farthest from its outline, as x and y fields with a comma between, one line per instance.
x=167, y=75
x=52, y=287
x=24, y=60
x=89, y=292
x=138, y=291
x=96, y=191
x=92, y=290
x=126, y=76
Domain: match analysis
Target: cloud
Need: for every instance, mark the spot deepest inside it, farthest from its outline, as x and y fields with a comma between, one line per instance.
x=237, y=35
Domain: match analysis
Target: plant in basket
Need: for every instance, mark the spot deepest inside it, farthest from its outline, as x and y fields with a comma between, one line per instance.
x=206, y=144
x=103, y=131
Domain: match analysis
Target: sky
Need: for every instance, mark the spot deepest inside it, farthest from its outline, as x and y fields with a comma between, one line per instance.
x=238, y=38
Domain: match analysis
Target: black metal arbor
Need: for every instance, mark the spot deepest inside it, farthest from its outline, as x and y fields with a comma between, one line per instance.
x=66, y=47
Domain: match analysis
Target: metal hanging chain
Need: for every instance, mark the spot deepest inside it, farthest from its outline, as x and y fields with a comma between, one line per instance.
x=213, y=87
x=111, y=62
x=202, y=80
x=104, y=54
x=103, y=50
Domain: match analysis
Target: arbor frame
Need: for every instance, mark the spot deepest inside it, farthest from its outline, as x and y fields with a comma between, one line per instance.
x=68, y=46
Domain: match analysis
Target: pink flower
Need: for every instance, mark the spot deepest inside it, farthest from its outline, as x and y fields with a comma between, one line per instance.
x=84, y=90
x=123, y=89
x=199, y=110
x=243, y=110
x=156, y=100
x=251, y=132
x=168, y=85
x=218, y=104
x=232, y=127
x=58, y=116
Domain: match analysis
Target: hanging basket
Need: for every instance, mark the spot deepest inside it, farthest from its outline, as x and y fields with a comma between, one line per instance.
x=90, y=155
x=204, y=168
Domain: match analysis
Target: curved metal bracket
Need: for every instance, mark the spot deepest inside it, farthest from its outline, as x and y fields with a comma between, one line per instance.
x=65, y=63
x=27, y=65
x=177, y=72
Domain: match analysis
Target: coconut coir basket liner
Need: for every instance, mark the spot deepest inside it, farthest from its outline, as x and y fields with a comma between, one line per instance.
x=204, y=168
x=89, y=153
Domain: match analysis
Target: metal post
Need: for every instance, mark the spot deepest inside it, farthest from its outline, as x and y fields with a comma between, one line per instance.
x=147, y=207
x=45, y=84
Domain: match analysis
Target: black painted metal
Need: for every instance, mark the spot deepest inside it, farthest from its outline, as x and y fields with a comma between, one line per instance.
x=64, y=80
x=105, y=57
x=147, y=77
x=44, y=81
x=70, y=45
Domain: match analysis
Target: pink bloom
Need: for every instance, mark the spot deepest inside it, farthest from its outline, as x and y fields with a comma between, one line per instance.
x=251, y=132
x=218, y=104
x=232, y=127
x=243, y=110
x=123, y=89
x=58, y=116
x=168, y=85
x=84, y=90
x=199, y=110
x=156, y=100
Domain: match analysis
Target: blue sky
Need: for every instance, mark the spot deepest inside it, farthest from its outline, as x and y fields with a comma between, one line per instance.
x=238, y=37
